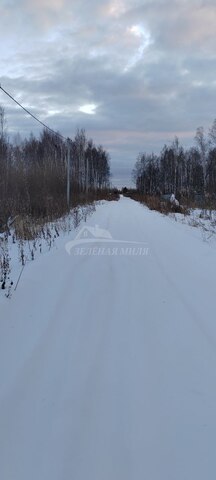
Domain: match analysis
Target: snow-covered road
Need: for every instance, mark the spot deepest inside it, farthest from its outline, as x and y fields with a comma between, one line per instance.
x=108, y=362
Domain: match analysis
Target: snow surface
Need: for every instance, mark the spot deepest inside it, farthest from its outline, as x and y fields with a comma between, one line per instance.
x=108, y=362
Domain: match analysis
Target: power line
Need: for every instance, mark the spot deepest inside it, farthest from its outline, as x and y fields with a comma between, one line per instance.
x=33, y=116
x=52, y=131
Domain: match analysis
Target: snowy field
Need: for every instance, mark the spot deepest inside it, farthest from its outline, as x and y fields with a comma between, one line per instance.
x=108, y=354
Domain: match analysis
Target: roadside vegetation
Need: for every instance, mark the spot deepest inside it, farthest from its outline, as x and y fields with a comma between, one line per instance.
x=33, y=190
x=187, y=174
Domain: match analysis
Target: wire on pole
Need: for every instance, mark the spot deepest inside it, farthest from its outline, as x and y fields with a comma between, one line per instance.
x=68, y=140
x=32, y=115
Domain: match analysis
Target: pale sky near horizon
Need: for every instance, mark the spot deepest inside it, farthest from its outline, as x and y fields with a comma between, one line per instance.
x=133, y=73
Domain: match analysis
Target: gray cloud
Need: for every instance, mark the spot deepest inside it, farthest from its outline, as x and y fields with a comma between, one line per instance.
x=147, y=66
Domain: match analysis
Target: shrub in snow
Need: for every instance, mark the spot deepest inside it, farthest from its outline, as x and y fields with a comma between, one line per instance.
x=4, y=262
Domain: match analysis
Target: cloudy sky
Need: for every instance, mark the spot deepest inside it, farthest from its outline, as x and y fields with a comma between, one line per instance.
x=133, y=73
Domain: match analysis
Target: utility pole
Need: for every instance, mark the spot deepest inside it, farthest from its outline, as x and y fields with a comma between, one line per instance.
x=68, y=173
x=87, y=175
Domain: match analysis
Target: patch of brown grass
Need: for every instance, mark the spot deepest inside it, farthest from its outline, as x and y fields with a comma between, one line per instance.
x=154, y=202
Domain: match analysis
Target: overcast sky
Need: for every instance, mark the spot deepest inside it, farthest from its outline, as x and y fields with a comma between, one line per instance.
x=132, y=73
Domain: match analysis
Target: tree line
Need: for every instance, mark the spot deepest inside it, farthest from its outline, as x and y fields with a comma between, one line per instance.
x=33, y=172
x=184, y=172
